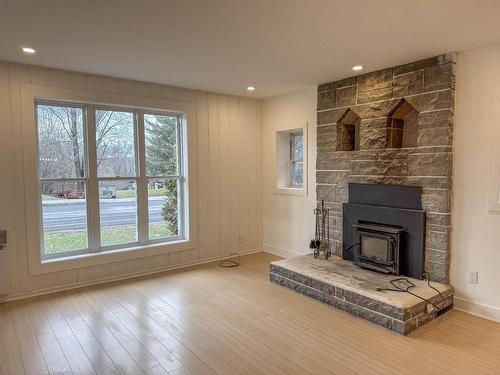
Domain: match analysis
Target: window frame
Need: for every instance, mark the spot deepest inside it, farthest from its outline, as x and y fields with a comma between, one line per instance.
x=179, y=176
x=283, y=161
x=92, y=179
x=85, y=178
x=186, y=112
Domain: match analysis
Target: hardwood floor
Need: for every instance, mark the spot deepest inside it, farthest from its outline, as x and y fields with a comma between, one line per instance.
x=212, y=320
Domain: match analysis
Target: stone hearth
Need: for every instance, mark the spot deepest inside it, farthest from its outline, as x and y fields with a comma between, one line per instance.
x=349, y=288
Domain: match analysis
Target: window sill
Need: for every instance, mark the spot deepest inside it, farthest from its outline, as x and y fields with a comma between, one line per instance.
x=291, y=191
x=109, y=256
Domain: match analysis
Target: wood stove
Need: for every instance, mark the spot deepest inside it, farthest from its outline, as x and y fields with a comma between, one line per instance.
x=378, y=247
x=384, y=228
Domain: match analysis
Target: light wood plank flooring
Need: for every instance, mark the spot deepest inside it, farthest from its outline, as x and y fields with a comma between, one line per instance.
x=210, y=320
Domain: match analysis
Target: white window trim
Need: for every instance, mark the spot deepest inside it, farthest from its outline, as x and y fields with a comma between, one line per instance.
x=286, y=189
x=38, y=265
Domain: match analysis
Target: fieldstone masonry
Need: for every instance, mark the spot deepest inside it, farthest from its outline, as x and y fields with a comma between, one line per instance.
x=429, y=87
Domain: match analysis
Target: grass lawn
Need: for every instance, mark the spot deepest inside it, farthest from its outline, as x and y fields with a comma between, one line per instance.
x=60, y=242
x=131, y=193
x=49, y=198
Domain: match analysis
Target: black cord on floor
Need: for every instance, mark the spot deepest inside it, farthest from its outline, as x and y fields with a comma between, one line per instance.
x=430, y=286
x=398, y=288
x=231, y=262
x=410, y=285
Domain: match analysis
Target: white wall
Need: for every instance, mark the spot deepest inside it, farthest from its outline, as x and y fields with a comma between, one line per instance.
x=229, y=152
x=476, y=232
x=288, y=219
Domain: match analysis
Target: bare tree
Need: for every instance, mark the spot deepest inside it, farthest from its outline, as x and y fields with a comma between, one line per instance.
x=115, y=143
x=60, y=132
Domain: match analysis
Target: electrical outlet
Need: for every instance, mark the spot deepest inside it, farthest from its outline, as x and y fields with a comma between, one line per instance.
x=241, y=238
x=473, y=277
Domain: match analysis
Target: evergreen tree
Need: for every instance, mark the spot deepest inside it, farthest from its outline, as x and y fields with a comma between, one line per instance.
x=169, y=209
x=161, y=145
x=161, y=160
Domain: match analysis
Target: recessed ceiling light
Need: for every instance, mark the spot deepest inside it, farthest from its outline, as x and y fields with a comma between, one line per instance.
x=357, y=68
x=28, y=50
x=251, y=88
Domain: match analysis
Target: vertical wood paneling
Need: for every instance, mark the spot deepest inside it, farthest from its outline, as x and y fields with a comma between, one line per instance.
x=213, y=184
x=234, y=152
x=6, y=190
x=202, y=122
x=229, y=174
x=224, y=178
x=18, y=76
x=245, y=179
x=258, y=150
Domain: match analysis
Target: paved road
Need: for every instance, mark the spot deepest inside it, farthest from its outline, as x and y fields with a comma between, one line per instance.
x=70, y=214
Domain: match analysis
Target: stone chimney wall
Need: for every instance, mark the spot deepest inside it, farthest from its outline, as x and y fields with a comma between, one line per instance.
x=378, y=102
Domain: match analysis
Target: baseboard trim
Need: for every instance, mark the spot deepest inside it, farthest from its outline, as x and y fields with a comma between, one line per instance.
x=281, y=252
x=106, y=280
x=477, y=309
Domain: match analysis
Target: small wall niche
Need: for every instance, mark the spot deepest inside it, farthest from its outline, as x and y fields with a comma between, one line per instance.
x=402, y=126
x=348, y=131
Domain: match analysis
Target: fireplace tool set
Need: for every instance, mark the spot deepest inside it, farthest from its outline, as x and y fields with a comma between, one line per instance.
x=321, y=242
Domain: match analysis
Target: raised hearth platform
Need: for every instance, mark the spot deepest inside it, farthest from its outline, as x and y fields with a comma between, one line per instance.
x=349, y=288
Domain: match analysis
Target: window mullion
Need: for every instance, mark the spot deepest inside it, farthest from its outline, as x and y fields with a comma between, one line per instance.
x=142, y=185
x=93, y=188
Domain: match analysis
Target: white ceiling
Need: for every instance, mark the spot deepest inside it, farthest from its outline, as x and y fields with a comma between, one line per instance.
x=226, y=45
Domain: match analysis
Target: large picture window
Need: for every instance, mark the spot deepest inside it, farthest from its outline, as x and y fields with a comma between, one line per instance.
x=109, y=177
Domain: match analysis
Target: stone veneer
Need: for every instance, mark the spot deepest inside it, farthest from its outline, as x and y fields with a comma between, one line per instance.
x=429, y=87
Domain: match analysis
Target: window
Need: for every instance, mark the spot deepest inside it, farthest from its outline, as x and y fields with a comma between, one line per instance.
x=109, y=177
x=291, y=155
x=296, y=160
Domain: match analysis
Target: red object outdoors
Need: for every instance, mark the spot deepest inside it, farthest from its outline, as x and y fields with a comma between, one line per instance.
x=71, y=194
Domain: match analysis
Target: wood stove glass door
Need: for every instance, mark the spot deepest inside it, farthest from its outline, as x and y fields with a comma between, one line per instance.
x=376, y=247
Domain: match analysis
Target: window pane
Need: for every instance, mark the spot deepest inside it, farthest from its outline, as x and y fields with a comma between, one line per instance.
x=118, y=212
x=64, y=213
x=115, y=141
x=161, y=145
x=163, y=208
x=298, y=147
x=297, y=174
x=61, y=152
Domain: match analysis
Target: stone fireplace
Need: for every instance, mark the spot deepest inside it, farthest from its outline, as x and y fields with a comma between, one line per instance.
x=383, y=168
x=393, y=126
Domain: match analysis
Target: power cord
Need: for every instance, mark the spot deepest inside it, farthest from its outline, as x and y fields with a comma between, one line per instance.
x=410, y=285
x=428, y=277
x=350, y=247
x=231, y=262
